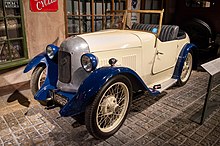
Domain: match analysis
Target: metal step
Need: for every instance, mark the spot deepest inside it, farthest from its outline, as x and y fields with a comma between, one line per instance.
x=166, y=84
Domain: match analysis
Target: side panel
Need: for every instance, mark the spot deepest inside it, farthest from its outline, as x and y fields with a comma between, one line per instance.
x=130, y=58
x=166, y=55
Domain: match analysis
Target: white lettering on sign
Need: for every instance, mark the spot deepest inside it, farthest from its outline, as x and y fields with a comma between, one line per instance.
x=43, y=3
x=11, y=3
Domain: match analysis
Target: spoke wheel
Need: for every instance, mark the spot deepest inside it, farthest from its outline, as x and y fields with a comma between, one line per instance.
x=37, y=79
x=112, y=107
x=42, y=78
x=109, y=109
x=187, y=69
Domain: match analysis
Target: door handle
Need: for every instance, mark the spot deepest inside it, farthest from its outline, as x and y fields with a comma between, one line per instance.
x=161, y=53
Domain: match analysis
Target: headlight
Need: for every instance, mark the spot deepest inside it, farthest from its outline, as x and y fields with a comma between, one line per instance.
x=89, y=62
x=51, y=50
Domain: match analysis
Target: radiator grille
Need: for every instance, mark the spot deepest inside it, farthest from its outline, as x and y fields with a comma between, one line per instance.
x=64, y=67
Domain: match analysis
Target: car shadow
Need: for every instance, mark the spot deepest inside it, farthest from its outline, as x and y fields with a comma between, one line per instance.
x=143, y=102
x=66, y=131
x=22, y=100
x=138, y=105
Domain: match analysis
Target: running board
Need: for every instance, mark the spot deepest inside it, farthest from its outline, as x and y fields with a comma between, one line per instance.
x=163, y=86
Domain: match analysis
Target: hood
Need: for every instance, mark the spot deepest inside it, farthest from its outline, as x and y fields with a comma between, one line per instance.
x=111, y=40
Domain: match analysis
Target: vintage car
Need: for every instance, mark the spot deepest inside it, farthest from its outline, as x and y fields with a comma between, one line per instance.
x=94, y=77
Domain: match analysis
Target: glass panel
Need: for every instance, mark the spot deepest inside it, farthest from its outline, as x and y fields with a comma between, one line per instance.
x=73, y=25
x=147, y=18
x=2, y=31
x=69, y=7
x=85, y=8
x=199, y=3
x=116, y=5
x=98, y=9
x=155, y=19
x=81, y=7
x=88, y=8
x=122, y=5
x=108, y=22
x=4, y=52
x=98, y=23
x=1, y=10
x=86, y=24
x=72, y=7
x=14, y=28
x=107, y=6
x=16, y=49
x=13, y=12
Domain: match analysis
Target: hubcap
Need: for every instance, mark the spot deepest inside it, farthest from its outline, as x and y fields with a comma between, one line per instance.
x=112, y=107
x=109, y=105
x=187, y=67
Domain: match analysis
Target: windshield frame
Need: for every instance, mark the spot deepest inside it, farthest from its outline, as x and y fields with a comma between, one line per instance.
x=125, y=14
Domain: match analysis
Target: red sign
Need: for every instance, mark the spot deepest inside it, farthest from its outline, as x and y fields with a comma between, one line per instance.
x=44, y=5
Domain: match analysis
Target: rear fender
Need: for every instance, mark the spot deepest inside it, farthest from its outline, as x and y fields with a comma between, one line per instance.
x=182, y=57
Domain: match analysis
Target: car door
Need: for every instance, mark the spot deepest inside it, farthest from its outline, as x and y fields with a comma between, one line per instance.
x=165, y=57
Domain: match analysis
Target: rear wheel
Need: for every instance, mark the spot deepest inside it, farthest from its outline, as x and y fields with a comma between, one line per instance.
x=186, y=71
x=37, y=79
x=106, y=114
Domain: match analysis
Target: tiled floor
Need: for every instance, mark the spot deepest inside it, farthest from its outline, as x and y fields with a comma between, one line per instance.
x=161, y=120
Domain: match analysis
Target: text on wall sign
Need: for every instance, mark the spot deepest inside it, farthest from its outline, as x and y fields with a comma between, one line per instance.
x=44, y=5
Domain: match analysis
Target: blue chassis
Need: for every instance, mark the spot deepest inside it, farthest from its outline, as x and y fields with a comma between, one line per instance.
x=78, y=101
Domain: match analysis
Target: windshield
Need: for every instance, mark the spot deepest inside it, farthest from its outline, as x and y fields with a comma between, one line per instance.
x=124, y=19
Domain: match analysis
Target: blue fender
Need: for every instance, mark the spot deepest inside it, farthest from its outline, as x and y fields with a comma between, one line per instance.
x=92, y=84
x=181, y=59
x=40, y=58
x=51, y=77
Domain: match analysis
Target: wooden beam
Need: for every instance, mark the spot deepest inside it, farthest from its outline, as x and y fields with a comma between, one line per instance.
x=80, y=31
x=93, y=15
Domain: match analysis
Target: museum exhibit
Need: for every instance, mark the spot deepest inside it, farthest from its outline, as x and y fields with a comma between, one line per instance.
x=110, y=72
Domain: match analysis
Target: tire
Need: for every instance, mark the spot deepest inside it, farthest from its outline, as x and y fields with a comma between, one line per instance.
x=37, y=79
x=186, y=71
x=100, y=116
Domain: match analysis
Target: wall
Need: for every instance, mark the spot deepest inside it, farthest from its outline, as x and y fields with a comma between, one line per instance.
x=42, y=28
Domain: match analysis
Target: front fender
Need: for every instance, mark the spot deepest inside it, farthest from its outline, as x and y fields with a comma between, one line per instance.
x=51, y=77
x=50, y=81
x=182, y=57
x=40, y=58
x=92, y=84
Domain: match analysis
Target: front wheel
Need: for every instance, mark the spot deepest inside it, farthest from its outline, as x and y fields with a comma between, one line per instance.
x=186, y=71
x=106, y=114
x=37, y=79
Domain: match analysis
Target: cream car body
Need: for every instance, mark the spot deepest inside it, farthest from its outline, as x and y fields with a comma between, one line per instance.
x=137, y=50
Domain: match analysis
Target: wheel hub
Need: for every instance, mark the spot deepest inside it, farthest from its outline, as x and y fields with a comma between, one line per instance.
x=109, y=105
